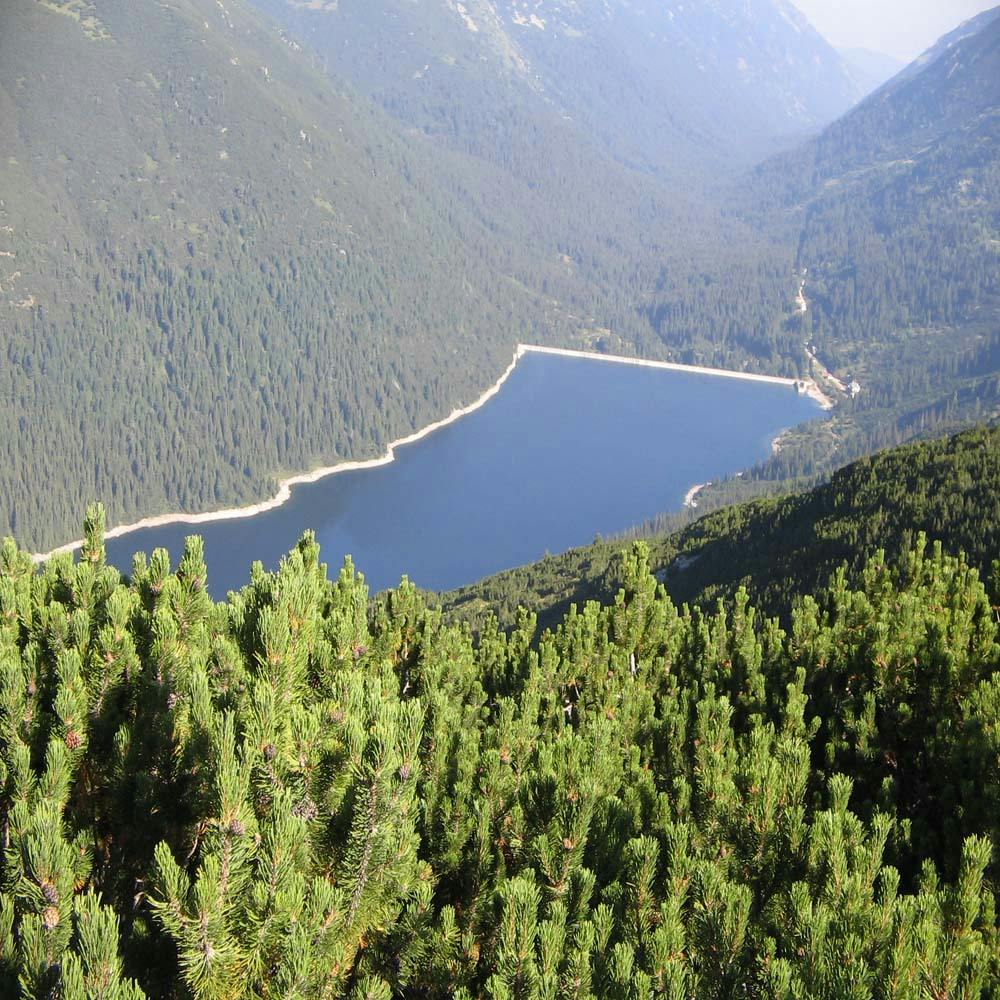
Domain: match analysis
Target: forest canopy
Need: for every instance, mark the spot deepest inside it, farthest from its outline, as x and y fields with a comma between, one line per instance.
x=298, y=793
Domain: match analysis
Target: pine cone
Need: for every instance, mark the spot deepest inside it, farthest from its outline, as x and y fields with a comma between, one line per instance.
x=305, y=809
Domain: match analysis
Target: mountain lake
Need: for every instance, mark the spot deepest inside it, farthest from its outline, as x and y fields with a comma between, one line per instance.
x=568, y=449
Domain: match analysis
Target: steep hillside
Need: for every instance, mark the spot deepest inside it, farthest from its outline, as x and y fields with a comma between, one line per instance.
x=892, y=216
x=896, y=211
x=668, y=87
x=213, y=261
x=949, y=490
x=217, y=264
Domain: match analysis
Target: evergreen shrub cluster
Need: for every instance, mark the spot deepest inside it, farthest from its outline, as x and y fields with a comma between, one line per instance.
x=298, y=793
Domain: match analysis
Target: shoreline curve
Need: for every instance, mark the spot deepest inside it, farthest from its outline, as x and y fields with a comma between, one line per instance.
x=690, y=498
x=285, y=486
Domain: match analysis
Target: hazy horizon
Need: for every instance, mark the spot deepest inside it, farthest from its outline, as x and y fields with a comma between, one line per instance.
x=899, y=28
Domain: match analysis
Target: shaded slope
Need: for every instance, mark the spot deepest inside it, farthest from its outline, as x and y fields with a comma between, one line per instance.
x=947, y=489
x=216, y=264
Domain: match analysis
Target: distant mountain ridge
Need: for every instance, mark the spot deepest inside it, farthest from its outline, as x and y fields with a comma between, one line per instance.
x=662, y=85
x=951, y=93
x=966, y=30
x=953, y=84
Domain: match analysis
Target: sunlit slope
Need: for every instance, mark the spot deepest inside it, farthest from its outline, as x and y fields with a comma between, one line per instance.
x=217, y=264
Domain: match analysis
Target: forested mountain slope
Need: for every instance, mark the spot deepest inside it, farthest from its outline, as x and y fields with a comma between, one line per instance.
x=892, y=216
x=216, y=266
x=289, y=795
x=896, y=211
x=219, y=263
x=947, y=489
x=668, y=87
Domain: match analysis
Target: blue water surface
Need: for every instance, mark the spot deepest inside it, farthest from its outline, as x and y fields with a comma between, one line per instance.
x=569, y=448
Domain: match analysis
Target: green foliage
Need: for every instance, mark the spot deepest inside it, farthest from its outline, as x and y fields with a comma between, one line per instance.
x=238, y=257
x=296, y=794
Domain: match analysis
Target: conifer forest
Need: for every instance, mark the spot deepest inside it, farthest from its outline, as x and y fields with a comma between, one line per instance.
x=304, y=793
x=746, y=750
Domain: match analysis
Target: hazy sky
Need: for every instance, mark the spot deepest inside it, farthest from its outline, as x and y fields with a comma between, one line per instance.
x=902, y=28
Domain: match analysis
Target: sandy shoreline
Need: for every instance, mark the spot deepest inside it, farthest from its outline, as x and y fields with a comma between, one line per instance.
x=286, y=485
x=689, y=497
x=815, y=393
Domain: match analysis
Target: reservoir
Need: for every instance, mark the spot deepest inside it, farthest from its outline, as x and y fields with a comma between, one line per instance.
x=568, y=449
